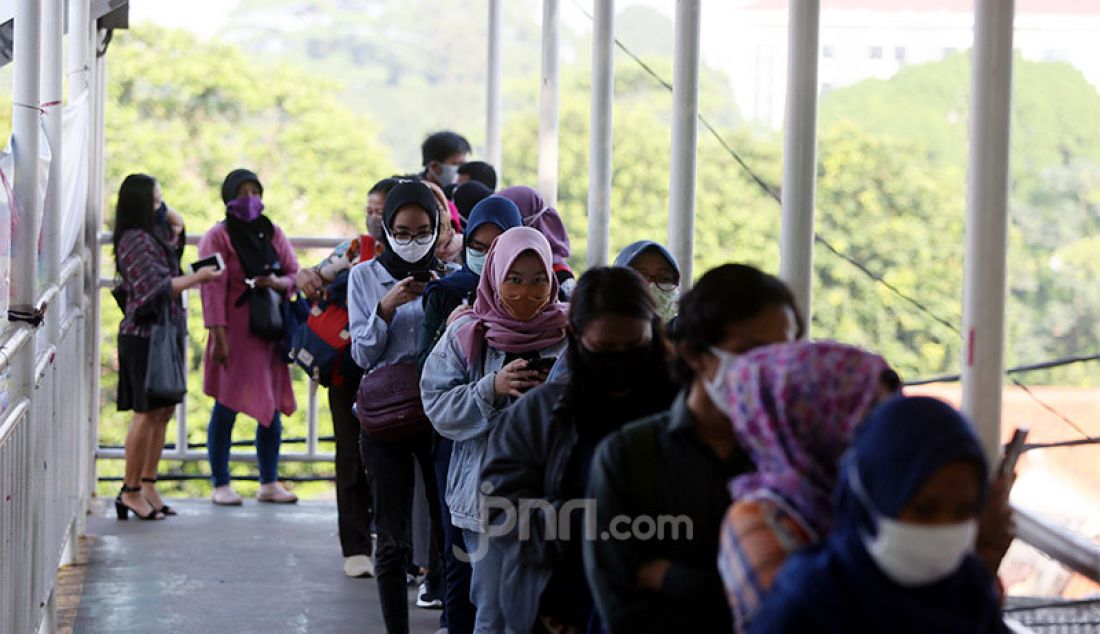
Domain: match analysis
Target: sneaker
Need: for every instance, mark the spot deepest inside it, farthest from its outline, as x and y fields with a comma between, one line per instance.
x=275, y=493
x=359, y=566
x=428, y=598
x=226, y=496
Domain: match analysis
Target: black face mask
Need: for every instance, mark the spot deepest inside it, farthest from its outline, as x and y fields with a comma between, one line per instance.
x=617, y=371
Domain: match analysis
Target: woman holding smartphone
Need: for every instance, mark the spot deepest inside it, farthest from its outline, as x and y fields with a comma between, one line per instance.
x=148, y=241
x=485, y=361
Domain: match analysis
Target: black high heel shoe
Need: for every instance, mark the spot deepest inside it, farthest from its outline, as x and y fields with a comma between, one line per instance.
x=164, y=510
x=123, y=510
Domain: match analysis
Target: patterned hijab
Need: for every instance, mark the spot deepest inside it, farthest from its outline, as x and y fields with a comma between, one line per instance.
x=794, y=409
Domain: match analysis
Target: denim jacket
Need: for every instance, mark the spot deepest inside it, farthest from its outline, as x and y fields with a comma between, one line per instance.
x=459, y=400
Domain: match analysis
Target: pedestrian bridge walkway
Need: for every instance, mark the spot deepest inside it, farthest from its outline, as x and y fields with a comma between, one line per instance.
x=259, y=568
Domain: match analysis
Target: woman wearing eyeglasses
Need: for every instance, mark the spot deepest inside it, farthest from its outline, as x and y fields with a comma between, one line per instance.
x=386, y=315
x=660, y=269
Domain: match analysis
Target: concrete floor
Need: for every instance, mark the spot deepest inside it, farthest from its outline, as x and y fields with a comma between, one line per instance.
x=259, y=568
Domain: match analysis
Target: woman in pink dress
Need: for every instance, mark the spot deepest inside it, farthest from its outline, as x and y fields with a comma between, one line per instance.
x=245, y=372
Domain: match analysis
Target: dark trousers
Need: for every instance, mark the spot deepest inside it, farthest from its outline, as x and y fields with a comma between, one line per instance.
x=353, y=497
x=458, y=611
x=390, y=472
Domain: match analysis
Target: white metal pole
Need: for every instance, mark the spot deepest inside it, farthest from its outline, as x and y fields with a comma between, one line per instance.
x=685, y=118
x=987, y=218
x=94, y=221
x=599, y=149
x=53, y=29
x=548, y=104
x=796, y=238
x=26, y=122
x=495, y=105
x=79, y=63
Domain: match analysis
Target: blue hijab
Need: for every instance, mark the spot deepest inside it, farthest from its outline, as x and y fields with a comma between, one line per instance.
x=495, y=210
x=837, y=587
x=627, y=256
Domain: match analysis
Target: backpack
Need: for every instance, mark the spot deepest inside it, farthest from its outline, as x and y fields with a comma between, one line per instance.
x=322, y=345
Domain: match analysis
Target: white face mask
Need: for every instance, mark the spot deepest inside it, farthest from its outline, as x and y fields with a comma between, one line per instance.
x=412, y=252
x=447, y=175
x=715, y=386
x=914, y=554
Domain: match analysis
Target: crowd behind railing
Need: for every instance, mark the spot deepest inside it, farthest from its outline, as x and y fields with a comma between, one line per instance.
x=597, y=454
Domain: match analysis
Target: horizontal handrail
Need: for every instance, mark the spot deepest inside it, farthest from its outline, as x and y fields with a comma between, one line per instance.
x=14, y=413
x=200, y=456
x=18, y=336
x=1061, y=544
x=300, y=242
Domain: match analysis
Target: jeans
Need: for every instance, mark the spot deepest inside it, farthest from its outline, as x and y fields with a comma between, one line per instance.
x=485, y=583
x=219, y=436
x=353, y=498
x=390, y=471
x=458, y=611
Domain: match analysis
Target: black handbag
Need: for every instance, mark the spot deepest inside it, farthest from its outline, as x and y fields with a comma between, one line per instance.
x=265, y=312
x=165, y=378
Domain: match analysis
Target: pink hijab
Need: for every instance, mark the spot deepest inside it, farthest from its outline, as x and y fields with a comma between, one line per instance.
x=493, y=324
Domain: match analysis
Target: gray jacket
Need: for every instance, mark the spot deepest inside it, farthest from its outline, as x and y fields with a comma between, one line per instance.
x=459, y=400
x=525, y=460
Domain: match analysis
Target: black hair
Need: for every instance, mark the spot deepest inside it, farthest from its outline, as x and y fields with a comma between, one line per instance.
x=134, y=209
x=383, y=186
x=618, y=291
x=725, y=295
x=440, y=146
x=481, y=172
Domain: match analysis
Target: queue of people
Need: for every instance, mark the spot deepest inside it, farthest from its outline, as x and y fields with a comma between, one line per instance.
x=592, y=454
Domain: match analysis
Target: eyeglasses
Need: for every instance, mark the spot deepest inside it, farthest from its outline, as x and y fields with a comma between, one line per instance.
x=405, y=239
x=666, y=284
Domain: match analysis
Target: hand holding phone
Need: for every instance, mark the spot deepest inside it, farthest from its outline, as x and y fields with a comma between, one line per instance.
x=422, y=276
x=215, y=261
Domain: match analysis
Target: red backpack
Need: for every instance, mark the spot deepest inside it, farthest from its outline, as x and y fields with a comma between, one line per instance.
x=321, y=346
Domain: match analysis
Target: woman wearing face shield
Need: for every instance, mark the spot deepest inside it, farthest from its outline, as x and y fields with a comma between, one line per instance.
x=543, y=449
x=900, y=556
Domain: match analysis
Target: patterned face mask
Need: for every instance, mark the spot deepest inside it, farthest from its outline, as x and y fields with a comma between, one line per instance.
x=667, y=301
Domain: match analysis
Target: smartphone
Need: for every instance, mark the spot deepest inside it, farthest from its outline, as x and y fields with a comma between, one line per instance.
x=421, y=276
x=541, y=364
x=211, y=260
x=1013, y=449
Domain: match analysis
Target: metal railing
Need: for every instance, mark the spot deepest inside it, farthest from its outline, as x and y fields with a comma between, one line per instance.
x=180, y=451
x=45, y=440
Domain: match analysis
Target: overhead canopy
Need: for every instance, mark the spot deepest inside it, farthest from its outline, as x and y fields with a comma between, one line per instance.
x=111, y=14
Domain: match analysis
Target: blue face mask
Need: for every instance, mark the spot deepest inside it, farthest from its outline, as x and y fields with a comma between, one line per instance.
x=476, y=260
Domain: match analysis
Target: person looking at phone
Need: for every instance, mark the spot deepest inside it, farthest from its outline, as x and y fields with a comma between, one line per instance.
x=244, y=371
x=480, y=367
x=148, y=242
x=385, y=318
x=900, y=556
x=542, y=448
x=488, y=220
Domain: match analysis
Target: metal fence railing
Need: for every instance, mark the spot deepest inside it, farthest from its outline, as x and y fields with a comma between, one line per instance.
x=180, y=450
x=45, y=442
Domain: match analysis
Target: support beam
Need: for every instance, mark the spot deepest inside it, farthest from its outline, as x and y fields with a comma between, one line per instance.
x=548, y=104
x=685, y=120
x=599, y=134
x=53, y=25
x=987, y=219
x=26, y=121
x=78, y=65
x=495, y=102
x=796, y=238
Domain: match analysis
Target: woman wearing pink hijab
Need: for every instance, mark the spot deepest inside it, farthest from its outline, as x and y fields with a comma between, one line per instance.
x=484, y=362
